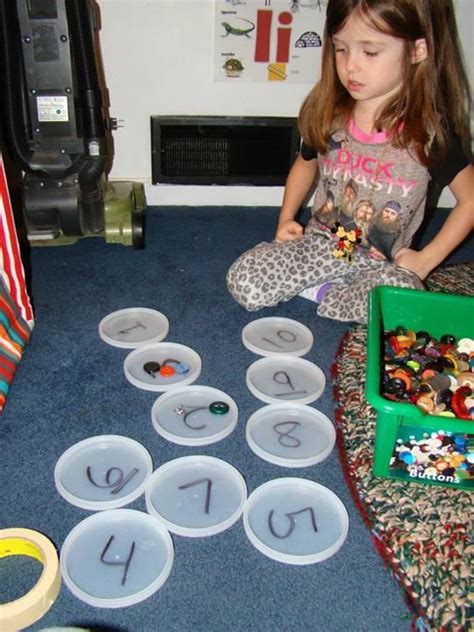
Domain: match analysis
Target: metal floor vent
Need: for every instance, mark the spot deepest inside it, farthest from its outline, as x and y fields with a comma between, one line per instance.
x=223, y=150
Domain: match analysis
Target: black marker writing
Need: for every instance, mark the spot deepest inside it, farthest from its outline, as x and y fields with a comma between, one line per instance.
x=116, y=485
x=283, y=375
x=286, y=336
x=292, y=520
x=291, y=441
x=185, y=412
x=208, y=490
x=131, y=328
x=125, y=564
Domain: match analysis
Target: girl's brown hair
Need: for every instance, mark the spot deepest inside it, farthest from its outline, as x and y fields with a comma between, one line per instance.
x=435, y=97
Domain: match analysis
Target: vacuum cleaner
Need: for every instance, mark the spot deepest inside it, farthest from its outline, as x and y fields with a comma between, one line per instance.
x=56, y=128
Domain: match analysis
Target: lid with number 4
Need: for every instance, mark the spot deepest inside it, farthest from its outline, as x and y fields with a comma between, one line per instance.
x=103, y=472
x=196, y=496
x=274, y=335
x=116, y=558
x=295, y=521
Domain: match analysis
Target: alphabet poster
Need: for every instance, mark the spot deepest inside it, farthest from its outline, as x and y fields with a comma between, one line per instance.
x=268, y=40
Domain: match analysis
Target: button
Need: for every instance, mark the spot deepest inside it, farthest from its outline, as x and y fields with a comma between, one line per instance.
x=182, y=368
x=219, y=408
x=151, y=368
x=167, y=371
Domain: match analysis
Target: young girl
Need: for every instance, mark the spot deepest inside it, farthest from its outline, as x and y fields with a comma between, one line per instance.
x=389, y=114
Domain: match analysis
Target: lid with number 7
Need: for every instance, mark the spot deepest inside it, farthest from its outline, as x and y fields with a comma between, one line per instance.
x=196, y=496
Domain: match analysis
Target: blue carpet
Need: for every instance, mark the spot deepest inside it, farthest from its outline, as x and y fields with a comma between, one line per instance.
x=70, y=386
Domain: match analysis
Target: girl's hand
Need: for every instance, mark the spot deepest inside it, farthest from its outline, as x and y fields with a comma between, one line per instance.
x=288, y=231
x=414, y=261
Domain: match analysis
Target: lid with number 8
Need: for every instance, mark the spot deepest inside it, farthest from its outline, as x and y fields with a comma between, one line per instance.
x=290, y=434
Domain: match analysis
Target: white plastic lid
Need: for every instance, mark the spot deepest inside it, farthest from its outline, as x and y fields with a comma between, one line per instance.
x=281, y=378
x=184, y=362
x=196, y=496
x=103, y=472
x=132, y=327
x=194, y=415
x=274, y=335
x=290, y=435
x=116, y=558
x=295, y=521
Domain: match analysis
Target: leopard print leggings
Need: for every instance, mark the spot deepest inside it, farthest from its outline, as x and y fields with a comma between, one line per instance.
x=272, y=272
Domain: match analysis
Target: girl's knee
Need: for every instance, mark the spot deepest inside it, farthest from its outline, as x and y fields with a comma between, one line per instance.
x=237, y=280
x=407, y=279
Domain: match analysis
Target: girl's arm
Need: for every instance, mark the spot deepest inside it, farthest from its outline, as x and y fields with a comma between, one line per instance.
x=298, y=185
x=455, y=229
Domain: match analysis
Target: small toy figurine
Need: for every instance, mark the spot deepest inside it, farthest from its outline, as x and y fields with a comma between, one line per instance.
x=347, y=242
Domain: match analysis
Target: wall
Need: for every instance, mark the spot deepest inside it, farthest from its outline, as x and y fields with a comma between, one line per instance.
x=158, y=59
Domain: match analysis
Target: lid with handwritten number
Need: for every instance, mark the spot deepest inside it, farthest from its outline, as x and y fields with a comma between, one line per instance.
x=162, y=366
x=194, y=415
x=116, y=558
x=284, y=378
x=290, y=434
x=132, y=327
x=274, y=335
x=196, y=496
x=295, y=521
x=103, y=472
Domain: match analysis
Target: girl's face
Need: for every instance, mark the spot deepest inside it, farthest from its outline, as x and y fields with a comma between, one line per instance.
x=369, y=63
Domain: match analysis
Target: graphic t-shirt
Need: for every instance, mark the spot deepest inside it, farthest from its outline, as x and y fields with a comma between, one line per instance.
x=367, y=184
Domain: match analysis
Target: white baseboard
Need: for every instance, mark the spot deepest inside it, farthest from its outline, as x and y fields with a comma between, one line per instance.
x=193, y=195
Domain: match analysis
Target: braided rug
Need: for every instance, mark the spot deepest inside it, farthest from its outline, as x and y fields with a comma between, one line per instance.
x=422, y=532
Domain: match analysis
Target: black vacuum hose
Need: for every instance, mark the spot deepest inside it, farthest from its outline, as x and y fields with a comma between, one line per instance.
x=79, y=16
x=80, y=20
x=11, y=73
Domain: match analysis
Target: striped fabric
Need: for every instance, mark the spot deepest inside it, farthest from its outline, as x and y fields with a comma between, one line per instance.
x=11, y=264
x=16, y=313
x=14, y=335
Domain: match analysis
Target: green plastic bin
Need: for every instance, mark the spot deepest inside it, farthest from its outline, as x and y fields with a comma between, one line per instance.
x=416, y=310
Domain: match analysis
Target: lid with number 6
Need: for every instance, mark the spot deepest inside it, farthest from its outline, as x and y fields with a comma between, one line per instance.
x=103, y=472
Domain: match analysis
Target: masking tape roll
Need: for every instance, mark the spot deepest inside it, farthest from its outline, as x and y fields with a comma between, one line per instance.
x=19, y=614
